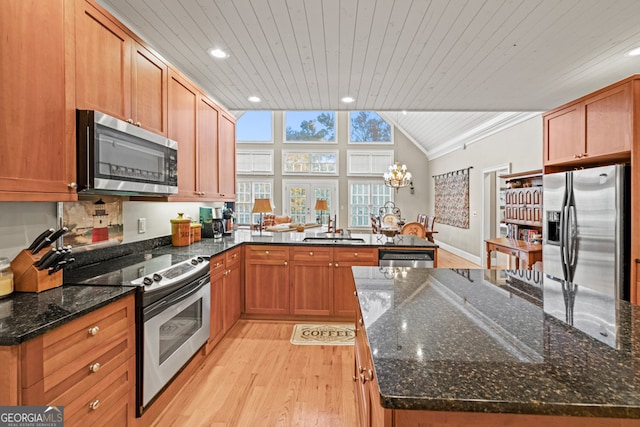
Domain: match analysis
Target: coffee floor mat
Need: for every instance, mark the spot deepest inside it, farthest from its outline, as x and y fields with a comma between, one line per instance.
x=323, y=334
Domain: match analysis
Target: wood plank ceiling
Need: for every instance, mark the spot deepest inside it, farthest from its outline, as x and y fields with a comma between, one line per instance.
x=471, y=61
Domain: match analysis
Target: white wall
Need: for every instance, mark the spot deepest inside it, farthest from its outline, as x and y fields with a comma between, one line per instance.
x=520, y=145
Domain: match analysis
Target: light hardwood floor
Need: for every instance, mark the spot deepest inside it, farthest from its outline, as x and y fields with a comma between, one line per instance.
x=256, y=377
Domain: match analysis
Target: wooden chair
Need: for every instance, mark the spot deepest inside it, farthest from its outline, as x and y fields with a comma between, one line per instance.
x=414, y=229
x=375, y=224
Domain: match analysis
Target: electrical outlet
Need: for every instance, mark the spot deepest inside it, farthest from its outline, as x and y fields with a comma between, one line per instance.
x=142, y=225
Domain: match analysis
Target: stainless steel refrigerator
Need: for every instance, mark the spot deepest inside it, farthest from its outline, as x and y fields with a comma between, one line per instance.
x=586, y=232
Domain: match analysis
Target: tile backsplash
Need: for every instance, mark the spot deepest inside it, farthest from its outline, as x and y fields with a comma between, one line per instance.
x=21, y=222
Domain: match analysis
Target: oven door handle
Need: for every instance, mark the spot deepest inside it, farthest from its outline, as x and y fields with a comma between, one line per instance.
x=174, y=298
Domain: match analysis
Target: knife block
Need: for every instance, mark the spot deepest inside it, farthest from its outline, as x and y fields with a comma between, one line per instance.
x=27, y=278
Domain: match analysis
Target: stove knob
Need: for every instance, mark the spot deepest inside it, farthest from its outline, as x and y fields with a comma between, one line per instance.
x=157, y=277
x=200, y=259
x=194, y=261
x=147, y=281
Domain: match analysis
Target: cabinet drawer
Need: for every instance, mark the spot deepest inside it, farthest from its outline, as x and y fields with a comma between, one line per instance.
x=106, y=400
x=79, y=339
x=366, y=256
x=233, y=257
x=272, y=253
x=311, y=253
x=217, y=266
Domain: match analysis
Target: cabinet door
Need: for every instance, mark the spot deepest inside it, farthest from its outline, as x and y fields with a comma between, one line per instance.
x=149, y=90
x=564, y=135
x=227, y=158
x=37, y=118
x=344, y=287
x=207, y=148
x=266, y=287
x=311, y=288
x=609, y=122
x=182, y=128
x=103, y=63
x=232, y=296
x=216, y=324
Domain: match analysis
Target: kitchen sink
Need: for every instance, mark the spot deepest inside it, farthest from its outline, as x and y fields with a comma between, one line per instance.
x=333, y=239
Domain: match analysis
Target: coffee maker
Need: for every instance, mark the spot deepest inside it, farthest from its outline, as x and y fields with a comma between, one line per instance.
x=218, y=228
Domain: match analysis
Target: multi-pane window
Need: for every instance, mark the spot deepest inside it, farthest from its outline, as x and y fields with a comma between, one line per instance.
x=365, y=198
x=246, y=192
x=309, y=162
x=254, y=127
x=310, y=126
x=368, y=127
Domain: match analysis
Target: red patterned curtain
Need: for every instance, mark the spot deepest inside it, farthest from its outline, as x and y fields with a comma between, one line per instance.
x=452, y=198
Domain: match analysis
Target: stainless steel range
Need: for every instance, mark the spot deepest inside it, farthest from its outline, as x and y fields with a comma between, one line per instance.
x=172, y=313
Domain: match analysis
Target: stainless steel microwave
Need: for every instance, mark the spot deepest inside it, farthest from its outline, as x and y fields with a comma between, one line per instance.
x=117, y=157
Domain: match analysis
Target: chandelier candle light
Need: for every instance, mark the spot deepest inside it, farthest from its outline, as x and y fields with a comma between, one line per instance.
x=398, y=176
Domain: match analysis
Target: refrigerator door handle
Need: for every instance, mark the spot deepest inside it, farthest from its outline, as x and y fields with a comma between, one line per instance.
x=572, y=247
x=563, y=241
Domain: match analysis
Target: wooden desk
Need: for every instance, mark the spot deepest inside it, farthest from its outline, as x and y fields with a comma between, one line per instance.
x=530, y=253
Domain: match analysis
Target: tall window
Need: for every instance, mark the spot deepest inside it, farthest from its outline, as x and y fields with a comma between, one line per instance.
x=301, y=162
x=365, y=198
x=310, y=126
x=299, y=200
x=255, y=126
x=246, y=192
x=368, y=127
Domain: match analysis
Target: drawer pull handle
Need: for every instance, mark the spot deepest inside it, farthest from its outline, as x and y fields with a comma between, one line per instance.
x=360, y=321
x=94, y=331
x=337, y=265
x=286, y=263
x=355, y=293
x=94, y=367
x=266, y=252
x=330, y=264
x=234, y=255
x=94, y=405
x=363, y=378
x=310, y=253
x=355, y=254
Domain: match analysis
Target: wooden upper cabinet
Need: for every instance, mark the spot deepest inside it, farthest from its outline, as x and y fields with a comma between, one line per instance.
x=608, y=121
x=563, y=135
x=149, y=90
x=207, y=148
x=103, y=63
x=37, y=112
x=227, y=157
x=183, y=102
x=598, y=127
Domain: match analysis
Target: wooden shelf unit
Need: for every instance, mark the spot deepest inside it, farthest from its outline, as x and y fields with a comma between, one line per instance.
x=523, y=203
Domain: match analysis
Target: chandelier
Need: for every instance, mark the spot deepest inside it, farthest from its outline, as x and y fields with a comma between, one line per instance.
x=398, y=176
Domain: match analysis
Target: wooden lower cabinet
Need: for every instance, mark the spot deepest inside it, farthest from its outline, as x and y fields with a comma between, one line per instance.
x=216, y=322
x=344, y=301
x=311, y=276
x=87, y=366
x=301, y=280
x=232, y=289
x=266, y=288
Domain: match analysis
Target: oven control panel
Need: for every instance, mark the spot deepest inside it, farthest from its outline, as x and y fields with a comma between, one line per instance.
x=182, y=271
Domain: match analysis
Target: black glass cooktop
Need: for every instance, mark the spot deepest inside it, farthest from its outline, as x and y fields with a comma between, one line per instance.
x=121, y=271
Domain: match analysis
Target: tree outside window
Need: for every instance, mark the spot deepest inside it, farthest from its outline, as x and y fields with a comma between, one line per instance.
x=310, y=126
x=368, y=127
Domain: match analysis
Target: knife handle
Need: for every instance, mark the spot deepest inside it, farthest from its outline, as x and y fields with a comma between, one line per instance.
x=40, y=237
x=44, y=258
x=57, y=234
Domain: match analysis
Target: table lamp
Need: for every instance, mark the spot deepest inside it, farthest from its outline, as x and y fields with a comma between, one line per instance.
x=261, y=206
x=321, y=205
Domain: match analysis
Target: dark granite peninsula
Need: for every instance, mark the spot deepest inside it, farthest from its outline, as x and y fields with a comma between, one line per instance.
x=493, y=346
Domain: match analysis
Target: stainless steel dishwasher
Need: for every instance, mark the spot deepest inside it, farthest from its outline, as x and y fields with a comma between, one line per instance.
x=414, y=258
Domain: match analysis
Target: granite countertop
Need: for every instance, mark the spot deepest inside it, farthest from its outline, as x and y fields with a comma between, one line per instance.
x=25, y=315
x=499, y=341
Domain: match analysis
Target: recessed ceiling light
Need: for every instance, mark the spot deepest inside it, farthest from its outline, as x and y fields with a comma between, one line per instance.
x=633, y=52
x=404, y=112
x=347, y=99
x=254, y=99
x=218, y=53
